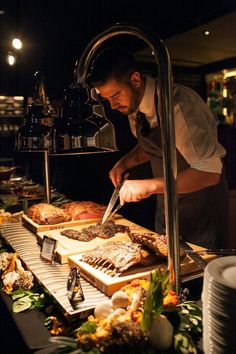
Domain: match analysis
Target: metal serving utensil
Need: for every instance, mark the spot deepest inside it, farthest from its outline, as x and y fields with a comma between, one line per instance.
x=74, y=289
x=115, y=196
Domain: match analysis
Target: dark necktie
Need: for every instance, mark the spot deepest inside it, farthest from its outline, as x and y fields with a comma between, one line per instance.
x=143, y=124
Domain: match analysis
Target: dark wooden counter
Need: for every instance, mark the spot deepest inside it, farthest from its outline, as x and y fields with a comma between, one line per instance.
x=24, y=332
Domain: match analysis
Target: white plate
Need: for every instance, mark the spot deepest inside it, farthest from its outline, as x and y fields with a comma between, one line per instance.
x=223, y=271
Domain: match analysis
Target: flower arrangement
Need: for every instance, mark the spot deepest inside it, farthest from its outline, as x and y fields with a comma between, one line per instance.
x=142, y=317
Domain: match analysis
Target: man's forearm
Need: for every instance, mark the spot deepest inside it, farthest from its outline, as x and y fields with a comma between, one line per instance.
x=192, y=180
x=189, y=180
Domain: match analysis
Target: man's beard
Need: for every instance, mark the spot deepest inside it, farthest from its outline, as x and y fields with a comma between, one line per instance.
x=134, y=104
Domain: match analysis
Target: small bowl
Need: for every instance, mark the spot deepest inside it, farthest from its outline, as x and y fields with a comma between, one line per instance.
x=5, y=173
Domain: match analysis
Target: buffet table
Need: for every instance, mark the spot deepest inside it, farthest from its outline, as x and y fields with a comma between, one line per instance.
x=28, y=331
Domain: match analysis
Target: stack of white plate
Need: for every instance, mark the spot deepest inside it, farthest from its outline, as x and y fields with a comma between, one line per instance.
x=219, y=306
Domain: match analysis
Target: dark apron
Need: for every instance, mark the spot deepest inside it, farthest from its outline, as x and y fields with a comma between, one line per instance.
x=203, y=215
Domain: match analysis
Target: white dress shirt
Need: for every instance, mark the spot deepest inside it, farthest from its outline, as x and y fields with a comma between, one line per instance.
x=195, y=126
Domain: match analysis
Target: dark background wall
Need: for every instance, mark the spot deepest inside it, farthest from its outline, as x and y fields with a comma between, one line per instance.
x=56, y=33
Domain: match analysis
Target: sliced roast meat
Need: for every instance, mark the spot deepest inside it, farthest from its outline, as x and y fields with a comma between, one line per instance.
x=77, y=235
x=156, y=243
x=106, y=230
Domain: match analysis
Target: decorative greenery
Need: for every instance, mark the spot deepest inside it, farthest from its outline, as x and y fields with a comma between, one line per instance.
x=184, y=344
x=26, y=299
x=88, y=327
x=154, y=303
x=186, y=318
x=65, y=345
x=190, y=329
x=10, y=202
x=70, y=346
x=58, y=201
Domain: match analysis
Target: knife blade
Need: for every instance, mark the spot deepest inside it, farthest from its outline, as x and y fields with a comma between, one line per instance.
x=195, y=256
x=112, y=202
x=216, y=251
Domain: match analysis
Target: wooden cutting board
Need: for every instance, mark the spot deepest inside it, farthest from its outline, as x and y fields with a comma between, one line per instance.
x=109, y=285
x=67, y=247
x=36, y=228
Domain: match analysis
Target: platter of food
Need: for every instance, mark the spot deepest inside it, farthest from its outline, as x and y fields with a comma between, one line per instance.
x=106, y=283
x=88, y=235
x=83, y=238
x=36, y=192
x=20, y=193
x=44, y=217
x=114, y=264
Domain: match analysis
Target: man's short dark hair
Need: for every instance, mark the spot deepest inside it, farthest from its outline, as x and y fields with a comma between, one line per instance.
x=111, y=63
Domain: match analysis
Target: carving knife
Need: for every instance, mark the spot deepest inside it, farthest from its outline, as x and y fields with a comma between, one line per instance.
x=195, y=256
x=216, y=251
x=113, y=200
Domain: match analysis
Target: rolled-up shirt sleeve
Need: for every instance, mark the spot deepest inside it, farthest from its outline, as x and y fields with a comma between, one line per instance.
x=196, y=133
x=213, y=164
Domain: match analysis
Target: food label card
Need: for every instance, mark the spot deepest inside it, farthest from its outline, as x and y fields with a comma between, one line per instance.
x=48, y=249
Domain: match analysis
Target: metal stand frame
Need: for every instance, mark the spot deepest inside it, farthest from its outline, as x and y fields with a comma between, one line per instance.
x=46, y=171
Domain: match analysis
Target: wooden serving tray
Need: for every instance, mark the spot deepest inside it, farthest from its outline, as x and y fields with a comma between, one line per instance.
x=68, y=224
x=67, y=247
x=109, y=285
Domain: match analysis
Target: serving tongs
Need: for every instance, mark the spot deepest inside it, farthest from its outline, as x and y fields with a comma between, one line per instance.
x=109, y=213
x=74, y=289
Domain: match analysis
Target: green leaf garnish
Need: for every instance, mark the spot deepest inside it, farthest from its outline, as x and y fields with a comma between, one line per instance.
x=21, y=304
x=33, y=300
x=158, y=289
x=87, y=327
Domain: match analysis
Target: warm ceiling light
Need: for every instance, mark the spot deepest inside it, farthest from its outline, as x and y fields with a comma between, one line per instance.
x=207, y=33
x=16, y=43
x=11, y=59
x=230, y=74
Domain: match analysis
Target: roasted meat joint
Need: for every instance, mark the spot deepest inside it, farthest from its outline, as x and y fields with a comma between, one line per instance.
x=43, y=213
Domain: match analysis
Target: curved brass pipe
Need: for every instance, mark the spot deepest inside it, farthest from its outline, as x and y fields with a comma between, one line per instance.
x=162, y=59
